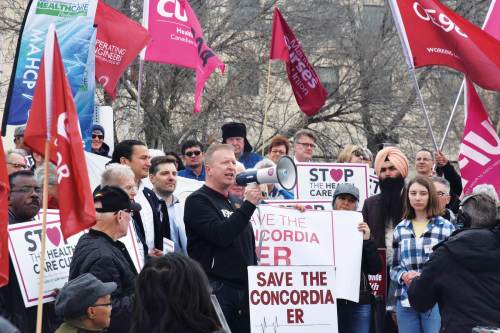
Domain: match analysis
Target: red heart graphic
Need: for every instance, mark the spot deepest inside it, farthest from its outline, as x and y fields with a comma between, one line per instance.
x=54, y=235
x=336, y=174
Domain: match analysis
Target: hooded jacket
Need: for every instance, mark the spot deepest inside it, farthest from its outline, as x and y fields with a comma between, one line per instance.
x=463, y=277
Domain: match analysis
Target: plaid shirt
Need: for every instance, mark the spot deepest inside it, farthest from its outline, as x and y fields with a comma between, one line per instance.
x=411, y=253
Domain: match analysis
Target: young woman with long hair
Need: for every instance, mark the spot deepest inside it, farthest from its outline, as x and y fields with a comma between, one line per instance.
x=422, y=228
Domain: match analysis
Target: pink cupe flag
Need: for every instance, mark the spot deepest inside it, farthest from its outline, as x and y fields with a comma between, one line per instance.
x=177, y=39
x=479, y=158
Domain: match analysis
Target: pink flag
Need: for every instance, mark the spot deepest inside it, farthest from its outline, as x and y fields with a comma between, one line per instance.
x=435, y=35
x=492, y=21
x=479, y=158
x=178, y=40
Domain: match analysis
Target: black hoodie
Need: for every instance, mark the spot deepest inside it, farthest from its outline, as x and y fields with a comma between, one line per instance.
x=463, y=277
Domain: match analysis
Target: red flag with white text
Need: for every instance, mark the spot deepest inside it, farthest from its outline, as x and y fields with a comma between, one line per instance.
x=58, y=115
x=4, y=219
x=119, y=41
x=307, y=88
x=479, y=157
x=433, y=34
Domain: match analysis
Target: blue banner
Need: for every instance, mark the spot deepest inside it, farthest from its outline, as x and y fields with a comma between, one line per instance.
x=84, y=98
x=74, y=21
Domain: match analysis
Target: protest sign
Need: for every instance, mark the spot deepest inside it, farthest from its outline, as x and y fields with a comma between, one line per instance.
x=373, y=182
x=317, y=181
x=287, y=237
x=307, y=204
x=293, y=299
x=378, y=281
x=24, y=248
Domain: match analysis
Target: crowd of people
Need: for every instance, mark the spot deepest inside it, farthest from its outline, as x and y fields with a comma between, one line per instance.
x=442, y=252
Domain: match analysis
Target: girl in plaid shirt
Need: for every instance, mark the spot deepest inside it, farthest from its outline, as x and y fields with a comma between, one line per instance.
x=414, y=237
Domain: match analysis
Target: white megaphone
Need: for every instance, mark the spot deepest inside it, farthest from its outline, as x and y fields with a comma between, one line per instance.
x=284, y=173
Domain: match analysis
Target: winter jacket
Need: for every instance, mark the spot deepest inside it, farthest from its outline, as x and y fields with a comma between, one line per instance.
x=372, y=214
x=220, y=237
x=108, y=260
x=452, y=176
x=463, y=277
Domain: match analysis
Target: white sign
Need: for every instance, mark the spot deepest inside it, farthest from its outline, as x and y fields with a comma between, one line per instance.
x=373, y=182
x=292, y=299
x=24, y=247
x=317, y=181
x=285, y=236
x=313, y=205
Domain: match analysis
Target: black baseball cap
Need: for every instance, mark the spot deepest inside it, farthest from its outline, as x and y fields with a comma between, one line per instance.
x=114, y=199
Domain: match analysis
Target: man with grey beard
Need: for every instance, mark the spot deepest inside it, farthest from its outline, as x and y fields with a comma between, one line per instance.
x=163, y=176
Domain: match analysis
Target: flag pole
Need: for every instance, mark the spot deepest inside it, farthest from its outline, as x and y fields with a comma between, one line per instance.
x=265, y=107
x=45, y=201
x=396, y=15
x=452, y=116
x=424, y=109
x=139, y=86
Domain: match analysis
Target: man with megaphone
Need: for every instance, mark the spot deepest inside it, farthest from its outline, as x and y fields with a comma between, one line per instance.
x=220, y=237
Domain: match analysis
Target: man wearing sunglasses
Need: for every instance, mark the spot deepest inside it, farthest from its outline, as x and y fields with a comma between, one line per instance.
x=24, y=204
x=99, y=147
x=192, y=155
x=101, y=253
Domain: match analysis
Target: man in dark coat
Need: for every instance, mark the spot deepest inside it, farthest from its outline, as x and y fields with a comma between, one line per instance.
x=463, y=273
x=101, y=253
x=24, y=204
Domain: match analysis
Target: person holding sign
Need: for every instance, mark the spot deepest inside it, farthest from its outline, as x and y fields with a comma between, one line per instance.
x=356, y=317
x=85, y=305
x=101, y=253
x=414, y=238
x=221, y=237
x=24, y=204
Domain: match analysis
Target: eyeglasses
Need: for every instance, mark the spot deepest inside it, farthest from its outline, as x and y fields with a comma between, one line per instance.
x=18, y=165
x=97, y=136
x=28, y=189
x=307, y=145
x=104, y=304
x=193, y=153
x=442, y=194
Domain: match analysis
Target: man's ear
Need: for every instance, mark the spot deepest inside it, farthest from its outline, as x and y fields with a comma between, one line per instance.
x=124, y=160
x=90, y=312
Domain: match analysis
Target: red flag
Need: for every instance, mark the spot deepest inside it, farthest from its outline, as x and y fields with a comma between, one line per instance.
x=307, y=88
x=4, y=219
x=433, y=34
x=75, y=197
x=479, y=158
x=119, y=41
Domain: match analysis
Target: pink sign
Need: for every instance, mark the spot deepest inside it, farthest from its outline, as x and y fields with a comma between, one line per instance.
x=480, y=148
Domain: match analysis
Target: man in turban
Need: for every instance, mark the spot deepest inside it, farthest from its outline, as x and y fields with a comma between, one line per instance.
x=384, y=211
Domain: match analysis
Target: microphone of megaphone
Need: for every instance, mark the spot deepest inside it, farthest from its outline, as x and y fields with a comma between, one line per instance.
x=283, y=173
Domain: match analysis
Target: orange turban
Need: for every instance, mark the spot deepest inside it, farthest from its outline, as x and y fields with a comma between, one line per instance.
x=394, y=155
